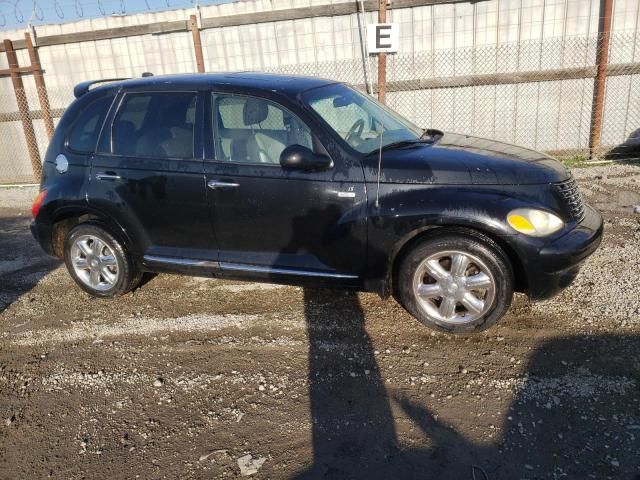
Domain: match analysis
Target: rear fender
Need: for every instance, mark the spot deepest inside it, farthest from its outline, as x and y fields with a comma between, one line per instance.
x=64, y=218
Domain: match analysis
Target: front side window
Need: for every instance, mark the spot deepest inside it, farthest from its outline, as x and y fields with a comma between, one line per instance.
x=86, y=129
x=358, y=119
x=255, y=130
x=158, y=124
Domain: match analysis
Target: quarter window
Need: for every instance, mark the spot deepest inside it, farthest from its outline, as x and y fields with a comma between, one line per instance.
x=255, y=130
x=86, y=129
x=159, y=125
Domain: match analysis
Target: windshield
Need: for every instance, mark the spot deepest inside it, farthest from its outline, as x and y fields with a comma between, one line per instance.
x=358, y=119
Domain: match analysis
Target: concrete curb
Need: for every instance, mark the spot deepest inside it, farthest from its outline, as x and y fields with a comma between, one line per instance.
x=17, y=196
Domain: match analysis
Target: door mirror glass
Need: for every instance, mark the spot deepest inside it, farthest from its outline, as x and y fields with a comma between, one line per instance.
x=297, y=157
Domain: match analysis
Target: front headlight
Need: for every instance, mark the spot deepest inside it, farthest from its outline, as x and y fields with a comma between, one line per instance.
x=535, y=223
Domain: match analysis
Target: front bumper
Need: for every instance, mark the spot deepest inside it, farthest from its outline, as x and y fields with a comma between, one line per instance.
x=557, y=263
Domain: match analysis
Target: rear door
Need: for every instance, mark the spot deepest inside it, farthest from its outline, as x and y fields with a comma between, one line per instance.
x=148, y=174
x=275, y=221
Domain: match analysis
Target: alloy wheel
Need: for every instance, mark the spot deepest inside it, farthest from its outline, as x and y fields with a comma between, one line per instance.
x=454, y=287
x=94, y=262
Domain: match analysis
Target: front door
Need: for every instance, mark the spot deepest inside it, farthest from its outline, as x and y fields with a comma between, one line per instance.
x=149, y=175
x=271, y=220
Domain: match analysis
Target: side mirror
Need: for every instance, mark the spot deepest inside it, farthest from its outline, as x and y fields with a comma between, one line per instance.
x=297, y=157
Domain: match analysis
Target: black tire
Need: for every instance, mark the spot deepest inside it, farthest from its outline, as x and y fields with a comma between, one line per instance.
x=473, y=244
x=128, y=274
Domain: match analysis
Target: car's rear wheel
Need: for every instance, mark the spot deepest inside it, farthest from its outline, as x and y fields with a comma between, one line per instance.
x=98, y=262
x=456, y=282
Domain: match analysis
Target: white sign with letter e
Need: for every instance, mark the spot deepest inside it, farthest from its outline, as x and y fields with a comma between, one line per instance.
x=383, y=37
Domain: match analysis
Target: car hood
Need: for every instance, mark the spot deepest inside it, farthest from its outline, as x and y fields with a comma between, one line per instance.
x=463, y=159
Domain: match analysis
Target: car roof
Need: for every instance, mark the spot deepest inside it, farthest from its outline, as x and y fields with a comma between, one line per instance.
x=287, y=84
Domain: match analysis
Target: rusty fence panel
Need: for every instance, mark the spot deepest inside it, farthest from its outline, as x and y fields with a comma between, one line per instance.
x=538, y=94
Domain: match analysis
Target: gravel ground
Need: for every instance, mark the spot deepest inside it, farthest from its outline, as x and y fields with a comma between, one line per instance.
x=198, y=378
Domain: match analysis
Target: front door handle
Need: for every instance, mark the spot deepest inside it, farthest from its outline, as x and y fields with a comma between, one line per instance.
x=107, y=176
x=217, y=184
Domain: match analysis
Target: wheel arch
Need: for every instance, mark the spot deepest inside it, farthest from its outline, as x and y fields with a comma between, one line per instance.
x=403, y=246
x=65, y=219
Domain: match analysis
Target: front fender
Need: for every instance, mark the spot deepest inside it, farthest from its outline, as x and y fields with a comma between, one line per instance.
x=406, y=211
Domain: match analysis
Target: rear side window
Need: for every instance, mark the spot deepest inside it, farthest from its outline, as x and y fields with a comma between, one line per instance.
x=86, y=129
x=157, y=124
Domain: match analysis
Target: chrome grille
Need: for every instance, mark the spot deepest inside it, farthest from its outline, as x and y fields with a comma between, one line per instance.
x=572, y=197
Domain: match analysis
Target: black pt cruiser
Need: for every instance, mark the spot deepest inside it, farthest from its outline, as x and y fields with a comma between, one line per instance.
x=304, y=181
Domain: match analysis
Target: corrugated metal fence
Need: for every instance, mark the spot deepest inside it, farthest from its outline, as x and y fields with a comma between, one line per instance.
x=523, y=71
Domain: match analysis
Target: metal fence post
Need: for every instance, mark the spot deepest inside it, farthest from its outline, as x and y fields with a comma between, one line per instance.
x=382, y=56
x=23, y=108
x=38, y=76
x=599, y=88
x=197, y=43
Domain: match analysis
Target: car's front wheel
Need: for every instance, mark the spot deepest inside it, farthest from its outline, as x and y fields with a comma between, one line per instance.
x=455, y=282
x=98, y=262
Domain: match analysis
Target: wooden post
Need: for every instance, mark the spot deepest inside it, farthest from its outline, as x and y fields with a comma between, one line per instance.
x=197, y=43
x=38, y=76
x=382, y=56
x=599, y=88
x=23, y=108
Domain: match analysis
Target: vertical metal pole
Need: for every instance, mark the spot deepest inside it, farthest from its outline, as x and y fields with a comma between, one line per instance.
x=382, y=56
x=23, y=109
x=197, y=43
x=602, y=64
x=38, y=76
x=363, y=49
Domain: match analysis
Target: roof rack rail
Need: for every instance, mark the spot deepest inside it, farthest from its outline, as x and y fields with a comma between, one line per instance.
x=83, y=87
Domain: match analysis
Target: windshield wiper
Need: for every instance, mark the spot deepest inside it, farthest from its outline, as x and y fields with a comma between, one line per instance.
x=429, y=135
x=399, y=144
x=405, y=143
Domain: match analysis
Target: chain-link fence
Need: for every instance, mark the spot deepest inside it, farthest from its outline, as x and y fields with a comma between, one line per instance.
x=23, y=131
x=539, y=94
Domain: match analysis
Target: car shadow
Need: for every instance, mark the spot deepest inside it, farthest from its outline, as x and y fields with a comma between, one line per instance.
x=22, y=262
x=628, y=151
x=576, y=413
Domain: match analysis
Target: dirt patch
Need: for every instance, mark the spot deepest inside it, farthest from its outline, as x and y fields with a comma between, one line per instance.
x=185, y=377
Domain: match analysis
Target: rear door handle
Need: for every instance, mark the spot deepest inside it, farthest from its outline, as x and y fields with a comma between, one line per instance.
x=107, y=176
x=217, y=184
